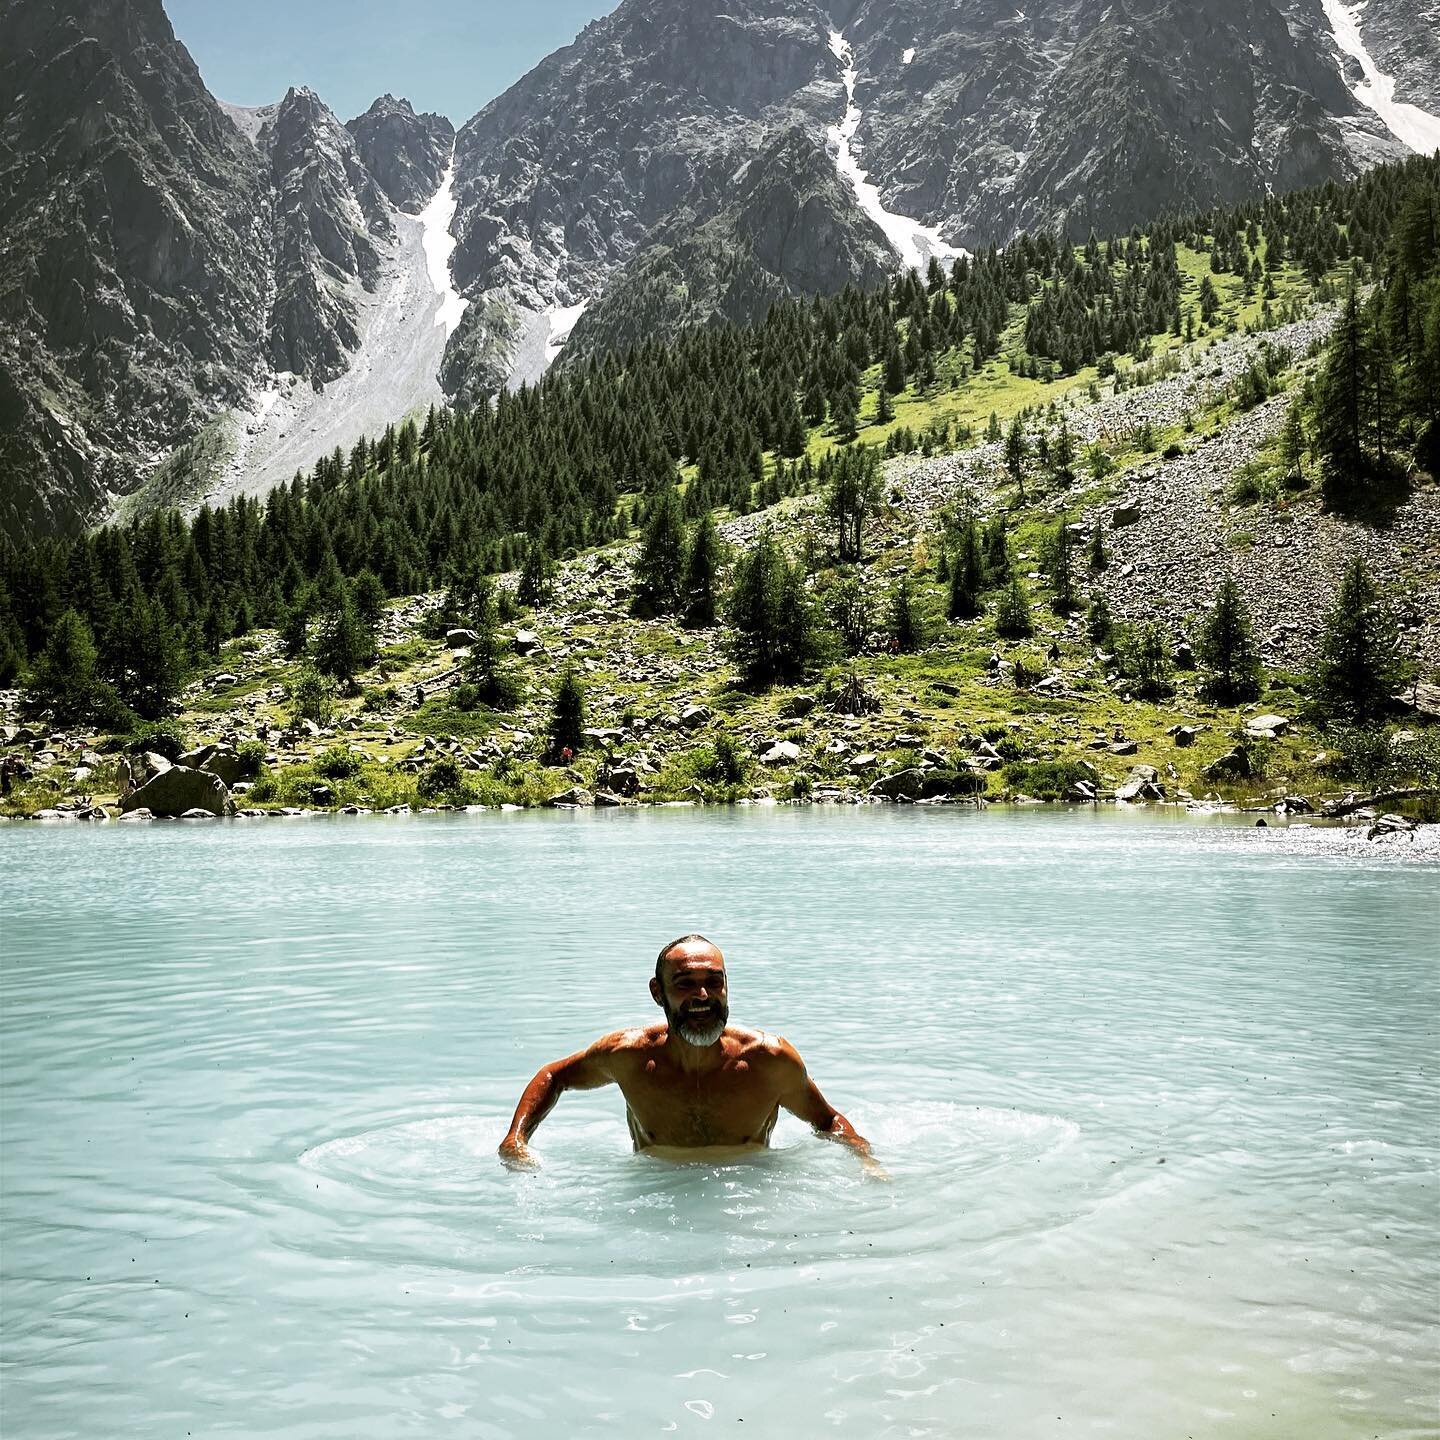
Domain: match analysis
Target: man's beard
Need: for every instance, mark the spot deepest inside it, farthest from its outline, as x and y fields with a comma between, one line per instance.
x=703, y=1032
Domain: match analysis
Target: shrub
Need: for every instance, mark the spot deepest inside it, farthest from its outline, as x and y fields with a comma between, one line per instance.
x=378, y=697
x=311, y=697
x=251, y=756
x=726, y=763
x=337, y=764
x=439, y=779
x=162, y=737
x=1045, y=779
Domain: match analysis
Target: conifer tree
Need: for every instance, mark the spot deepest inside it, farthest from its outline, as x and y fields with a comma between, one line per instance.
x=1360, y=666
x=906, y=628
x=853, y=493
x=967, y=574
x=369, y=594
x=1099, y=624
x=1098, y=556
x=142, y=656
x=1016, y=451
x=1012, y=611
x=702, y=572
x=1340, y=407
x=343, y=643
x=1226, y=648
x=997, y=551
x=64, y=677
x=660, y=565
x=536, y=575
x=1292, y=441
x=774, y=631
x=567, y=718
x=486, y=669
x=1147, y=661
x=1059, y=558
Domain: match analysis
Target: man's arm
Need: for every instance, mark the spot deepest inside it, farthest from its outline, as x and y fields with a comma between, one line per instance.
x=801, y=1096
x=584, y=1070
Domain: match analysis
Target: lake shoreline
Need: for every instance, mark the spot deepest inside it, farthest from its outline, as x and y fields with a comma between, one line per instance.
x=1382, y=831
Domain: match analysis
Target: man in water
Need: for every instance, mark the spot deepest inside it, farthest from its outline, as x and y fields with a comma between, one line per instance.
x=694, y=1082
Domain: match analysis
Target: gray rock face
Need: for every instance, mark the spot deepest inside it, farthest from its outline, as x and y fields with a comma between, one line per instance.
x=789, y=226
x=1086, y=114
x=163, y=252
x=405, y=152
x=135, y=254
x=610, y=172
x=178, y=790
x=329, y=217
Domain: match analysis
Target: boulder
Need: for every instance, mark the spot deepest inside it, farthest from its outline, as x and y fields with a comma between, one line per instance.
x=782, y=752
x=621, y=779
x=1234, y=764
x=605, y=800
x=526, y=642
x=692, y=717
x=195, y=758
x=1127, y=512
x=226, y=764
x=1423, y=698
x=460, y=639
x=572, y=799
x=178, y=789
x=1267, y=725
x=1184, y=735
x=798, y=706
x=1142, y=784
x=901, y=784
x=1123, y=747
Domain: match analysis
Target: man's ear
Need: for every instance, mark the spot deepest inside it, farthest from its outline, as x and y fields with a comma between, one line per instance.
x=656, y=993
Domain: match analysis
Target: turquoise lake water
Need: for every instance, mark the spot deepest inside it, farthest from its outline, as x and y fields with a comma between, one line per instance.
x=1159, y=1098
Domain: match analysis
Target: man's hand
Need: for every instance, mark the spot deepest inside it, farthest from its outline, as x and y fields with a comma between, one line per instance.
x=515, y=1154
x=872, y=1169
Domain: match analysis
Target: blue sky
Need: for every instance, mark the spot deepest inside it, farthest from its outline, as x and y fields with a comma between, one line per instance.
x=446, y=55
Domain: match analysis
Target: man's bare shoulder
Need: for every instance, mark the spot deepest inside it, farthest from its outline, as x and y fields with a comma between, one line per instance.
x=764, y=1047
x=637, y=1041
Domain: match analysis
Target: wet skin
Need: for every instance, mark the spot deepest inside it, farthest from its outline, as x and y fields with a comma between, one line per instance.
x=686, y=1097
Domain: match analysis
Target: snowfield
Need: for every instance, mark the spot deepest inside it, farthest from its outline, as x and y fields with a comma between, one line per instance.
x=1411, y=125
x=913, y=242
x=439, y=246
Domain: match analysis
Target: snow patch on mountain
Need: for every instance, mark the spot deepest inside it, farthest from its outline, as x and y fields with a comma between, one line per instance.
x=914, y=243
x=1417, y=128
x=562, y=322
x=439, y=246
x=908, y=56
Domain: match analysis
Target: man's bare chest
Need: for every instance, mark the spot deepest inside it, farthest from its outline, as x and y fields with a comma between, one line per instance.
x=732, y=1106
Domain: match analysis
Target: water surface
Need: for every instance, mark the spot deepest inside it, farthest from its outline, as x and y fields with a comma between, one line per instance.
x=1158, y=1097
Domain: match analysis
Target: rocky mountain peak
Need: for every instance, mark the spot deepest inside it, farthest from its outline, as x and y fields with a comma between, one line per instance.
x=330, y=217
x=406, y=153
